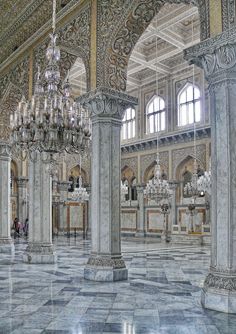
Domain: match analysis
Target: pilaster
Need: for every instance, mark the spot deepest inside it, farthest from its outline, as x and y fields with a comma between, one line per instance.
x=40, y=248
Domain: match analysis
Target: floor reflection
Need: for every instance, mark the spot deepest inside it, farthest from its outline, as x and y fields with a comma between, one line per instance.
x=161, y=296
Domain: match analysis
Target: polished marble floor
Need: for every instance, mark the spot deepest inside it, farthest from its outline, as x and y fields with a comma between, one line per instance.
x=162, y=294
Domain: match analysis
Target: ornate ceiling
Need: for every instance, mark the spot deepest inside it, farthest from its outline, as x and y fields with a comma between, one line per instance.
x=172, y=29
x=20, y=19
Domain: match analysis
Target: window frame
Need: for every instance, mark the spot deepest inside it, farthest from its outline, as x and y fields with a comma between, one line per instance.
x=128, y=122
x=158, y=116
x=188, y=103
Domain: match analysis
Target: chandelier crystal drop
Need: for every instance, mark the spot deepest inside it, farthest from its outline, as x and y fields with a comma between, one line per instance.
x=204, y=182
x=123, y=191
x=80, y=193
x=157, y=189
x=51, y=121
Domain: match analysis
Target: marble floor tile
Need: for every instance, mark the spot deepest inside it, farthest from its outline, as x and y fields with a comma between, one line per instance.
x=161, y=295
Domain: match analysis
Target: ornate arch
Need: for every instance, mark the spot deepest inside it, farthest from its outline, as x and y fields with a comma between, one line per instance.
x=113, y=54
x=127, y=173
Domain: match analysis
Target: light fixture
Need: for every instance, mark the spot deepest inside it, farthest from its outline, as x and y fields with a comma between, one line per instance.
x=157, y=189
x=51, y=121
x=204, y=182
x=191, y=188
x=123, y=191
x=80, y=194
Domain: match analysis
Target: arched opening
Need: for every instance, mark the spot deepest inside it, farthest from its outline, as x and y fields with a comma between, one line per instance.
x=129, y=179
x=78, y=78
x=136, y=26
x=74, y=175
x=149, y=172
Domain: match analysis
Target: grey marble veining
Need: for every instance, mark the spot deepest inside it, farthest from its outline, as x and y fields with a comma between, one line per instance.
x=161, y=295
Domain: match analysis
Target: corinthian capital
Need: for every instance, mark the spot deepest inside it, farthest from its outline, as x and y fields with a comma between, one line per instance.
x=106, y=102
x=217, y=56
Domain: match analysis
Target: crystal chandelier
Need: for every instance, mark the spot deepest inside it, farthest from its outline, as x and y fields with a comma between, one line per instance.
x=157, y=189
x=51, y=121
x=80, y=194
x=204, y=182
x=123, y=191
x=191, y=188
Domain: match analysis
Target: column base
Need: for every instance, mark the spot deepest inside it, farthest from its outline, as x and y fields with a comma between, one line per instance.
x=166, y=237
x=105, y=270
x=219, y=293
x=39, y=253
x=6, y=245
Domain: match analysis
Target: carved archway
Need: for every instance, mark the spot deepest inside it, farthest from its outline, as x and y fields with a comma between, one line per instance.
x=113, y=54
x=128, y=174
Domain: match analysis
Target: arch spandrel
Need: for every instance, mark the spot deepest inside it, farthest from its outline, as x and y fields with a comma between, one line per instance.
x=113, y=52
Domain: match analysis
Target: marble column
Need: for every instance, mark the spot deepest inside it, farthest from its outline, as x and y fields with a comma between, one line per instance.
x=6, y=243
x=141, y=213
x=40, y=248
x=217, y=56
x=63, y=189
x=107, y=108
x=22, y=198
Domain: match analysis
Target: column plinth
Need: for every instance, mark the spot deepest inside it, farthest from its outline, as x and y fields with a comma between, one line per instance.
x=217, y=56
x=39, y=253
x=107, y=108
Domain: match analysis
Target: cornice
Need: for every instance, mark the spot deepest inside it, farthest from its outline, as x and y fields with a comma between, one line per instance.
x=167, y=140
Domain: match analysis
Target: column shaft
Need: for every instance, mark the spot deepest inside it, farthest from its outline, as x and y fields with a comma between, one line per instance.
x=107, y=108
x=6, y=244
x=40, y=248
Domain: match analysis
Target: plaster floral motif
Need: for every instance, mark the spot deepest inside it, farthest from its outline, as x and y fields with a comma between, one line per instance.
x=219, y=281
x=107, y=102
x=106, y=262
x=113, y=53
x=130, y=162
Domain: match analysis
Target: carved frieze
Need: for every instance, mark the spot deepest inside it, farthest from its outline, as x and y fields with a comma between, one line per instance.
x=220, y=281
x=30, y=20
x=18, y=75
x=132, y=163
x=106, y=262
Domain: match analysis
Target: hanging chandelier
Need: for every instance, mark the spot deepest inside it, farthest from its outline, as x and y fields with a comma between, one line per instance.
x=204, y=182
x=157, y=189
x=51, y=121
x=191, y=189
x=123, y=191
x=80, y=193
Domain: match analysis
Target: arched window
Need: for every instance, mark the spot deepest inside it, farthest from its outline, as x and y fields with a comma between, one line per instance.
x=189, y=105
x=128, y=124
x=155, y=115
